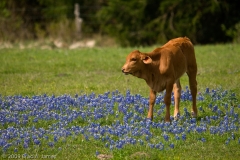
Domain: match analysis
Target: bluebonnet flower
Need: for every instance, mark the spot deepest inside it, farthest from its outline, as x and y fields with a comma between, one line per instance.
x=227, y=141
x=207, y=90
x=236, y=116
x=184, y=136
x=147, y=137
x=157, y=146
x=193, y=120
x=97, y=153
x=210, y=106
x=111, y=147
x=96, y=136
x=186, y=113
x=160, y=146
x=129, y=126
x=171, y=145
x=177, y=137
x=6, y=146
x=226, y=106
x=200, y=129
x=24, y=155
x=233, y=136
x=36, y=141
x=215, y=108
x=140, y=142
x=151, y=145
x=106, y=145
x=25, y=144
x=231, y=112
x=200, y=108
x=50, y=144
x=203, y=139
x=166, y=137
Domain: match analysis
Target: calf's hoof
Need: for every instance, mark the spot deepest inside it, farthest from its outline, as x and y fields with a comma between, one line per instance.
x=149, y=118
x=194, y=115
x=176, y=117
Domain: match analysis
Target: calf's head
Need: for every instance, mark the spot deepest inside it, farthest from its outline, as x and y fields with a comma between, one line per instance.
x=135, y=63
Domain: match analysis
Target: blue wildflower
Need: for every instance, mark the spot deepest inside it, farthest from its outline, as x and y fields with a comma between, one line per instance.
x=50, y=144
x=151, y=145
x=177, y=137
x=203, y=139
x=233, y=136
x=55, y=138
x=25, y=144
x=37, y=142
x=207, y=90
x=215, y=108
x=166, y=137
x=160, y=146
x=97, y=153
x=184, y=136
x=140, y=142
x=227, y=141
x=171, y=145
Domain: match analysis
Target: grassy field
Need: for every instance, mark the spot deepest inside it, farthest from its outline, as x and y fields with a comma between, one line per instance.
x=34, y=74
x=34, y=71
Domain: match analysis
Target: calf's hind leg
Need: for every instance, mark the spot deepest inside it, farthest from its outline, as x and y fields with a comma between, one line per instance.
x=192, y=74
x=167, y=100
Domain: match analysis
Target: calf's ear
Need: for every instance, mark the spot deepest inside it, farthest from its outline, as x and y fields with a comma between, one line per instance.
x=146, y=59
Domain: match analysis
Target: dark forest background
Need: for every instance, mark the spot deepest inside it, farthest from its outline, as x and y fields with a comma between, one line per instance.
x=129, y=22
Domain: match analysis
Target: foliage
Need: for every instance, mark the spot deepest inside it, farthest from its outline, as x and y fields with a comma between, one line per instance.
x=159, y=21
x=131, y=23
x=233, y=32
x=24, y=15
x=126, y=18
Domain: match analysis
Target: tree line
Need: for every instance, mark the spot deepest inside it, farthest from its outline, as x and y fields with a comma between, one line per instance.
x=130, y=22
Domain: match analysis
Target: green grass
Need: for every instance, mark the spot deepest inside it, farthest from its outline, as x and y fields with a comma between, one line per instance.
x=36, y=72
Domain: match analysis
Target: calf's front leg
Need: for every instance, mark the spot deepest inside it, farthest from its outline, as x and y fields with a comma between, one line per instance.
x=177, y=95
x=152, y=98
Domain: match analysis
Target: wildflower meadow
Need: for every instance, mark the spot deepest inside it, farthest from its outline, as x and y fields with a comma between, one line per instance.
x=98, y=123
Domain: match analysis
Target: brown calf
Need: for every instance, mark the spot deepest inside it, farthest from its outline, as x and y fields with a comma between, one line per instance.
x=162, y=69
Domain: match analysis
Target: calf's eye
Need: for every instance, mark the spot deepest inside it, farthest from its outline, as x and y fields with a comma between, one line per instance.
x=133, y=59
